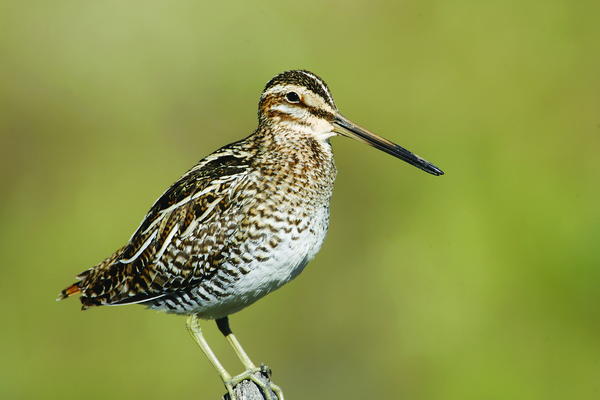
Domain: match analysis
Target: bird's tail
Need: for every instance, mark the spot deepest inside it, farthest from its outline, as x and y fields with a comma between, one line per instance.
x=70, y=291
x=88, y=278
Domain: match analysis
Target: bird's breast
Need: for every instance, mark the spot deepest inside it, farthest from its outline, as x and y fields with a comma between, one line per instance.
x=273, y=258
x=276, y=223
x=283, y=225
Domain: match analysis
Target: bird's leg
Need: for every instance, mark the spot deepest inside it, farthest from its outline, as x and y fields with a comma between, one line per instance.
x=196, y=332
x=223, y=324
x=251, y=369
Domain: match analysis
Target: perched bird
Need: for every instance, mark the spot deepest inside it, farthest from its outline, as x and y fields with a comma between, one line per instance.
x=242, y=222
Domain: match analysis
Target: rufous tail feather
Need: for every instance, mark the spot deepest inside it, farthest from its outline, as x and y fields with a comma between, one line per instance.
x=68, y=292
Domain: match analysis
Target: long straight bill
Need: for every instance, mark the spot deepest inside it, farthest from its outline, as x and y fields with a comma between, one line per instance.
x=349, y=129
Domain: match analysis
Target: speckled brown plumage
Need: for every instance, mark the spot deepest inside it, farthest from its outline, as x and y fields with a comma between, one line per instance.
x=244, y=220
x=246, y=194
x=241, y=223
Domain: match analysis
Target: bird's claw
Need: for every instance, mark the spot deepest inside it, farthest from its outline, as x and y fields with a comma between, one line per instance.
x=265, y=371
x=261, y=377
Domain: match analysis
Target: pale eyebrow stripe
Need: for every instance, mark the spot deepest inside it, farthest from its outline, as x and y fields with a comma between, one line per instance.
x=281, y=89
x=310, y=75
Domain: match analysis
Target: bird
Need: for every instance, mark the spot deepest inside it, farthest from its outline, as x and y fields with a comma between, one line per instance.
x=239, y=224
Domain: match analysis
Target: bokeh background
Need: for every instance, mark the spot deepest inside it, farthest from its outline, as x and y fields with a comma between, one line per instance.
x=481, y=284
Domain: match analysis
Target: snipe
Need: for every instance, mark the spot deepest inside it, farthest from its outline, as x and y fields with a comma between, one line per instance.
x=242, y=222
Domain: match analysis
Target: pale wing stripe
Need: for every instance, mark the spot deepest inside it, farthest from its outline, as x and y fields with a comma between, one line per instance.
x=146, y=216
x=189, y=198
x=153, y=224
x=190, y=229
x=209, y=209
x=216, y=157
x=167, y=242
x=141, y=250
x=138, y=301
x=162, y=213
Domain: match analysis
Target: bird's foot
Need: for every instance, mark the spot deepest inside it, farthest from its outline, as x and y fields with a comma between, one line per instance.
x=260, y=378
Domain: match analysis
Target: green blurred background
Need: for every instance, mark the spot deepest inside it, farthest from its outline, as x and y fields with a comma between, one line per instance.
x=481, y=284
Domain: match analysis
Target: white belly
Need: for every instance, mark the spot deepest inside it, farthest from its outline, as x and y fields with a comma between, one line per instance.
x=285, y=262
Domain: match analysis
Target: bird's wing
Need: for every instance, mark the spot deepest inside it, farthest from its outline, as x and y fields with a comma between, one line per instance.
x=179, y=242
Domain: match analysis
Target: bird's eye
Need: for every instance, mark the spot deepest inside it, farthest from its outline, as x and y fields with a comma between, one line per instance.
x=292, y=97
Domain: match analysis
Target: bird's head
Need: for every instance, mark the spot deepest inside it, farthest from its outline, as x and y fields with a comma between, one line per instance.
x=299, y=101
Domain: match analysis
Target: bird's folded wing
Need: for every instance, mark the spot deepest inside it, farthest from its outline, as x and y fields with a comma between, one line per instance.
x=179, y=243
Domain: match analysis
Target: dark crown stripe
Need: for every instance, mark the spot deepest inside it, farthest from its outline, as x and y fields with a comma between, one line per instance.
x=303, y=78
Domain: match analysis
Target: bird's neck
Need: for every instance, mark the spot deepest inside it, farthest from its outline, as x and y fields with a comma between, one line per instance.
x=278, y=143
